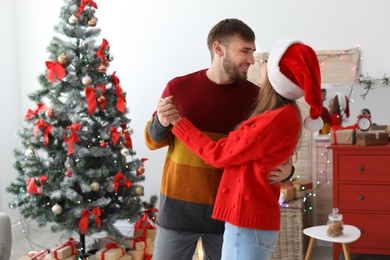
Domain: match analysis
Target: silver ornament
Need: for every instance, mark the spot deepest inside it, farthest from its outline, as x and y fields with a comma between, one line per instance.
x=29, y=153
x=72, y=19
x=125, y=152
x=56, y=209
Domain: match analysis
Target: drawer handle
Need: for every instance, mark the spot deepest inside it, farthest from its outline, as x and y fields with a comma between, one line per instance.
x=361, y=168
x=361, y=197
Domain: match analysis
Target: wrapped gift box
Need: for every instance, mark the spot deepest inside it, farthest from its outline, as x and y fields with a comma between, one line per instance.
x=287, y=189
x=343, y=136
x=301, y=188
x=125, y=257
x=372, y=138
x=110, y=253
x=149, y=233
x=72, y=257
x=34, y=255
x=63, y=252
x=137, y=243
x=102, y=242
x=136, y=254
x=300, y=185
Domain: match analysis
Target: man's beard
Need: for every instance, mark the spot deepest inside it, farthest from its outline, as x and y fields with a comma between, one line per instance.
x=232, y=69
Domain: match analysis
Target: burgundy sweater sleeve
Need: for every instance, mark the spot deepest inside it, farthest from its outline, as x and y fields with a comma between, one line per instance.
x=269, y=138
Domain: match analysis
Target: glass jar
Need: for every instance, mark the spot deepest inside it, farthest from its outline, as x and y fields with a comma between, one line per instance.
x=335, y=223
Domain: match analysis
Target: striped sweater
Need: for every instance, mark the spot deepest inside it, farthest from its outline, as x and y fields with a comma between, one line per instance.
x=189, y=185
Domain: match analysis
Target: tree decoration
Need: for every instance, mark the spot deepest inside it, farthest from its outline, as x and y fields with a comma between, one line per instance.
x=125, y=152
x=56, y=209
x=31, y=113
x=72, y=19
x=63, y=59
x=83, y=180
x=92, y=22
x=95, y=186
x=87, y=80
x=49, y=113
x=29, y=153
x=102, y=68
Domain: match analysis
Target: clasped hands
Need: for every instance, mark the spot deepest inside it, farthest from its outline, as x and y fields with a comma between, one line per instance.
x=168, y=114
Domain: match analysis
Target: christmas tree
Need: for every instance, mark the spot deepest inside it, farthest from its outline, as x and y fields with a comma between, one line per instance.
x=77, y=168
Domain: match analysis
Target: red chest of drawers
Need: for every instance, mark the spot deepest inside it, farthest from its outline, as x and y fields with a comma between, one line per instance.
x=361, y=191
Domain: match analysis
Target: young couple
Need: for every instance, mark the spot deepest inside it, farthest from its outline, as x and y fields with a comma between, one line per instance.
x=229, y=146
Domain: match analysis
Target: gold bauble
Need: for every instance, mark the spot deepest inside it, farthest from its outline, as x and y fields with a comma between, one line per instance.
x=138, y=190
x=95, y=186
x=63, y=58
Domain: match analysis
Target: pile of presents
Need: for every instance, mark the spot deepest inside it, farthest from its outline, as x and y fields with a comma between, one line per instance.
x=138, y=247
x=378, y=135
x=291, y=192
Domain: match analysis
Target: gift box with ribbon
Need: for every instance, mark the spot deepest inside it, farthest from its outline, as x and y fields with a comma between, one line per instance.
x=72, y=257
x=342, y=136
x=65, y=250
x=35, y=255
x=136, y=254
x=110, y=252
x=148, y=233
x=102, y=242
x=137, y=243
x=286, y=192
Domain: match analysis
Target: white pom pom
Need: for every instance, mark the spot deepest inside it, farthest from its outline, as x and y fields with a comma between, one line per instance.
x=313, y=124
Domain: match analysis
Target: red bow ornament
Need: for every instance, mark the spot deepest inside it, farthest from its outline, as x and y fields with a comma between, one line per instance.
x=35, y=184
x=83, y=4
x=90, y=93
x=115, y=135
x=121, y=101
x=47, y=130
x=128, y=141
x=100, y=52
x=121, y=179
x=72, y=138
x=143, y=224
x=54, y=69
x=30, y=113
x=83, y=223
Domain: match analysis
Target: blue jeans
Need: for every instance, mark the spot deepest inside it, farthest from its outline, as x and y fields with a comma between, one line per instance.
x=180, y=245
x=249, y=244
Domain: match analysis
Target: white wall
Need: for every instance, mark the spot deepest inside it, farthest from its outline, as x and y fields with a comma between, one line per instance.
x=155, y=40
x=10, y=112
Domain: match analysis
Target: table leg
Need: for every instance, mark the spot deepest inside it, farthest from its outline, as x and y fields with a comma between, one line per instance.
x=347, y=254
x=310, y=248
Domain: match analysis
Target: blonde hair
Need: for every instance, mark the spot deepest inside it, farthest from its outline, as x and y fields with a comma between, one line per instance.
x=268, y=100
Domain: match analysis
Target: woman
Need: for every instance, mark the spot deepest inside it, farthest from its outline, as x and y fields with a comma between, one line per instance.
x=338, y=109
x=246, y=201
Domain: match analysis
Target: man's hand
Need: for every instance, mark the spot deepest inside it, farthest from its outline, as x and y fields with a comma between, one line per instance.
x=282, y=173
x=166, y=111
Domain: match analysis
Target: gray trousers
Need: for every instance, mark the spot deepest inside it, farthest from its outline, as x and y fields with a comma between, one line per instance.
x=181, y=245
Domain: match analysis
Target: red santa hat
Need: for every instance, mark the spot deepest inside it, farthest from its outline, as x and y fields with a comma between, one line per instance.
x=294, y=72
x=343, y=103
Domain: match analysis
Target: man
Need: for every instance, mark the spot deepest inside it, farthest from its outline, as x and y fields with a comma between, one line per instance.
x=216, y=100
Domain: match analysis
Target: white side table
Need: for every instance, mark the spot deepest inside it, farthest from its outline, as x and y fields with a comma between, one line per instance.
x=350, y=234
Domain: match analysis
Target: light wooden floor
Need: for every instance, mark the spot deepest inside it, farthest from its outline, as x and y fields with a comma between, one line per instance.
x=34, y=238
